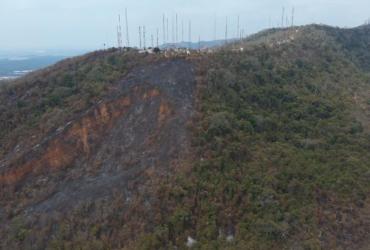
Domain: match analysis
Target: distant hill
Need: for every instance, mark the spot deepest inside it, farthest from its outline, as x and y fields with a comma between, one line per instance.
x=261, y=148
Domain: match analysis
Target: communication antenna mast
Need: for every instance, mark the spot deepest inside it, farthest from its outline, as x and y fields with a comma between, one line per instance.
x=177, y=29
x=199, y=43
x=293, y=12
x=168, y=32
x=182, y=30
x=173, y=29
x=226, y=30
x=164, y=29
x=189, y=34
x=238, y=28
x=140, y=37
x=118, y=40
x=127, y=33
x=144, y=37
x=270, y=25
x=119, y=33
x=215, y=30
x=282, y=18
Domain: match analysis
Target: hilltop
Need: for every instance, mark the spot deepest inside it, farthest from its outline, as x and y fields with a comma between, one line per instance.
x=261, y=148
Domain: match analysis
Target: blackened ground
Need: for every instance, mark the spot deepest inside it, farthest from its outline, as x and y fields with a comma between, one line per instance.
x=149, y=137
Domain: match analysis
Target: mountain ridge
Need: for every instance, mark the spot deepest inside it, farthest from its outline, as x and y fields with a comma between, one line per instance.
x=264, y=148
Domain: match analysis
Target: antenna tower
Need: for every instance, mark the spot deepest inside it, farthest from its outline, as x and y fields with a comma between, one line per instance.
x=140, y=37
x=226, y=30
x=238, y=28
x=119, y=33
x=164, y=29
x=270, y=25
x=127, y=33
x=189, y=34
x=215, y=30
x=199, y=43
x=168, y=32
x=173, y=29
x=144, y=37
x=182, y=30
x=177, y=29
x=157, y=38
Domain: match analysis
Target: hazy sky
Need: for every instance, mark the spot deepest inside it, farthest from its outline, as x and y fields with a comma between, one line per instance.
x=88, y=24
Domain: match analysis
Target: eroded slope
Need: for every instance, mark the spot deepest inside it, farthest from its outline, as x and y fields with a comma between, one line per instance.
x=140, y=127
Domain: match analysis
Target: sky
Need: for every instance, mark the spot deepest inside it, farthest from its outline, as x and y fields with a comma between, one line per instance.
x=89, y=24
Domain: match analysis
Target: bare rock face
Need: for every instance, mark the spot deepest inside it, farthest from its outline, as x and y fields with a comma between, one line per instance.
x=141, y=126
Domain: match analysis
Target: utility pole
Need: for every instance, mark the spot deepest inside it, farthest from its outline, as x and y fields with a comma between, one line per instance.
x=282, y=18
x=293, y=10
x=127, y=32
x=139, y=37
x=152, y=38
x=157, y=38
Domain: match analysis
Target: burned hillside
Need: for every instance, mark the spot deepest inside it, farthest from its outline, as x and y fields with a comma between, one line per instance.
x=260, y=144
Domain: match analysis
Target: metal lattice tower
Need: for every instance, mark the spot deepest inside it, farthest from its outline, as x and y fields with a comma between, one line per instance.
x=119, y=33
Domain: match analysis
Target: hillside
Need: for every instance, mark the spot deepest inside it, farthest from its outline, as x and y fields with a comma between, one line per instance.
x=262, y=149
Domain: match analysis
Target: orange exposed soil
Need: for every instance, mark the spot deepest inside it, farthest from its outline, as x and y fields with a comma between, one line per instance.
x=75, y=141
